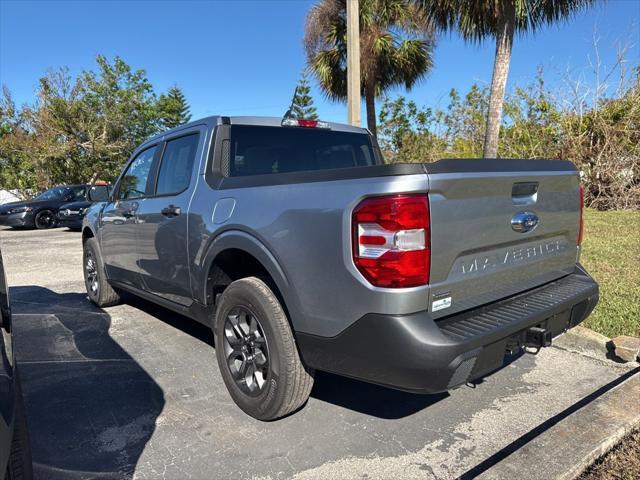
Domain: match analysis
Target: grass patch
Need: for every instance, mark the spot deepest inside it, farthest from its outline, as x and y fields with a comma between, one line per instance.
x=611, y=253
x=621, y=463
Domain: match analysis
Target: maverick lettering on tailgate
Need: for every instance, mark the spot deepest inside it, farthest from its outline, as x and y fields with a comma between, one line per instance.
x=509, y=256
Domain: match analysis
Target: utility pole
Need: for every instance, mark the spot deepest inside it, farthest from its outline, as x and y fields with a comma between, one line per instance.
x=353, y=62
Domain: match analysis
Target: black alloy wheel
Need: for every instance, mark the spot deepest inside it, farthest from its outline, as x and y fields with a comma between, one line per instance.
x=256, y=351
x=45, y=219
x=246, y=350
x=91, y=273
x=98, y=288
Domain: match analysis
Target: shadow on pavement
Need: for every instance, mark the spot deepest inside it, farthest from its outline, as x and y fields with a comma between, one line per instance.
x=91, y=407
x=345, y=392
x=187, y=325
x=368, y=398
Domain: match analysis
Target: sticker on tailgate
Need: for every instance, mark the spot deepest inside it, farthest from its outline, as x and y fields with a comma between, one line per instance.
x=440, y=302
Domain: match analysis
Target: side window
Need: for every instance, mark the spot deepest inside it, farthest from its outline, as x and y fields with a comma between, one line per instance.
x=79, y=193
x=134, y=182
x=177, y=165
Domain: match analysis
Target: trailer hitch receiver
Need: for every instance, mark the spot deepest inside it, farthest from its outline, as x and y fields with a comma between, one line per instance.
x=537, y=338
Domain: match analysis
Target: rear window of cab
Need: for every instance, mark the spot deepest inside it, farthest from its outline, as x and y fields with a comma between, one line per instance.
x=256, y=150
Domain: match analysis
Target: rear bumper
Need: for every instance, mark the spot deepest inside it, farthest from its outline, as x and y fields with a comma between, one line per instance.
x=24, y=219
x=415, y=353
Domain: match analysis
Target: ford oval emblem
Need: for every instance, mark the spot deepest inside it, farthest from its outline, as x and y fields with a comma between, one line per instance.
x=523, y=222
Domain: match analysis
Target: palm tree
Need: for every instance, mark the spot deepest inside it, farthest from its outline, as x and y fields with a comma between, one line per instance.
x=476, y=20
x=396, y=45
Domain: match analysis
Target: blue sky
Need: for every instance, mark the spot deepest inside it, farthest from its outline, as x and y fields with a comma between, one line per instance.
x=245, y=57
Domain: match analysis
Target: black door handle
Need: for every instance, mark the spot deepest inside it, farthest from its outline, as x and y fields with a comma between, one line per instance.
x=171, y=211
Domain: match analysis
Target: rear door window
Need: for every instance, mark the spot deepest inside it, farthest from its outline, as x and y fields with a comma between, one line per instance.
x=264, y=150
x=176, y=165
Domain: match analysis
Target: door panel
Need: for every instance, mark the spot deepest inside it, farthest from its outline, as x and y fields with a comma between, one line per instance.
x=118, y=241
x=162, y=222
x=162, y=248
x=119, y=223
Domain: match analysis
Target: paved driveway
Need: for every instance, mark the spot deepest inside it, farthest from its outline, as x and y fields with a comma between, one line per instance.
x=134, y=391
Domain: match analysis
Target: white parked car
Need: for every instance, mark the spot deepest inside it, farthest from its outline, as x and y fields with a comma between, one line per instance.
x=6, y=196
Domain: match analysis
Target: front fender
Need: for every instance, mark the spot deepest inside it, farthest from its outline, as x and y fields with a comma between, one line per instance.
x=91, y=219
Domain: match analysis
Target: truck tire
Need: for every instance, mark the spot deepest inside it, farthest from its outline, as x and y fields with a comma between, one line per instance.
x=256, y=352
x=98, y=289
x=20, y=466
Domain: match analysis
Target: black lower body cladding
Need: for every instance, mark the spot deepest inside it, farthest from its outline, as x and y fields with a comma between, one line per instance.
x=73, y=223
x=417, y=354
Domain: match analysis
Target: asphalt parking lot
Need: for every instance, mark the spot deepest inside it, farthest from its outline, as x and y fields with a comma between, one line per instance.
x=134, y=391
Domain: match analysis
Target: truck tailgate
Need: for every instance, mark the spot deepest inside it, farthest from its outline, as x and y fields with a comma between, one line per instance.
x=499, y=227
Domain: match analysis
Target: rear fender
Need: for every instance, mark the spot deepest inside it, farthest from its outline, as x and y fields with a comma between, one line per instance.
x=239, y=240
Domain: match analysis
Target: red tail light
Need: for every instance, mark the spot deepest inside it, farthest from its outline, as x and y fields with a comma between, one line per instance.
x=391, y=240
x=581, y=215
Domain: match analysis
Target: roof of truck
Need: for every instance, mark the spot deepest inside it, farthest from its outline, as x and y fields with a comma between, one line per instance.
x=250, y=120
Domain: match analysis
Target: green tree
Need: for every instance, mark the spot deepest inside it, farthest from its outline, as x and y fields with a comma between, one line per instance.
x=396, y=47
x=87, y=127
x=409, y=133
x=303, y=102
x=173, y=108
x=498, y=19
x=406, y=132
x=463, y=122
x=16, y=170
x=122, y=100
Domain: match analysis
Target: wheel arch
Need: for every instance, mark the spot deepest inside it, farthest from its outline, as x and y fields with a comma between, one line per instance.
x=87, y=233
x=237, y=254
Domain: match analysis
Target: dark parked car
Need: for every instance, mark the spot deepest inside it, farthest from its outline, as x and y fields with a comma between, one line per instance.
x=70, y=215
x=15, y=451
x=41, y=212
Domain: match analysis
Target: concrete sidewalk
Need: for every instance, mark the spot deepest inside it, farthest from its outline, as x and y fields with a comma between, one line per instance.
x=134, y=392
x=563, y=446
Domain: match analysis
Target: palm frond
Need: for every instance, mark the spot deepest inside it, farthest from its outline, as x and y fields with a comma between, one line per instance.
x=477, y=20
x=396, y=44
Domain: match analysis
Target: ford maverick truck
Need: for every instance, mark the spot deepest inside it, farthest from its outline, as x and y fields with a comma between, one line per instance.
x=304, y=251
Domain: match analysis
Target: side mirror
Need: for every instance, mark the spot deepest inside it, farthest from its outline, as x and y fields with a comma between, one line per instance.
x=98, y=193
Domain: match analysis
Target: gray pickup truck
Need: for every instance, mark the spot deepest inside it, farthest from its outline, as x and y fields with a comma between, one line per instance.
x=304, y=251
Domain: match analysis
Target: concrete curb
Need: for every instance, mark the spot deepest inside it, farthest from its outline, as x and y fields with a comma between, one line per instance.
x=566, y=448
x=586, y=342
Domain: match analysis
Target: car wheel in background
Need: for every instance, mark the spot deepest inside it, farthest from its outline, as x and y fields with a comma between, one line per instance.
x=256, y=352
x=45, y=219
x=98, y=289
x=20, y=466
